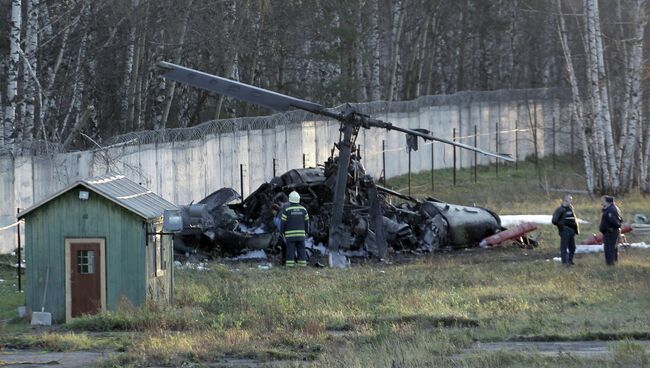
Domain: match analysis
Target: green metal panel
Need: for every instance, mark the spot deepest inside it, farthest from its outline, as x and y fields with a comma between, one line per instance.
x=66, y=216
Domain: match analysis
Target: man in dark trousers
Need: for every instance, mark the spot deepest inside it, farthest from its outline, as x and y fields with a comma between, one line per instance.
x=610, y=225
x=566, y=221
x=295, y=225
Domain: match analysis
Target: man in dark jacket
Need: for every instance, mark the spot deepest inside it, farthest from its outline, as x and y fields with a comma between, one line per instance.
x=295, y=225
x=610, y=225
x=566, y=221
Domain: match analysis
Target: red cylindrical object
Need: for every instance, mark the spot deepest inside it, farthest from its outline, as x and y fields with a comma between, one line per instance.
x=598, y=238
x=508, y=234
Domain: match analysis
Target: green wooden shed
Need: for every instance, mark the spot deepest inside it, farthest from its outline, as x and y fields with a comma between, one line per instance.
x=96, y=244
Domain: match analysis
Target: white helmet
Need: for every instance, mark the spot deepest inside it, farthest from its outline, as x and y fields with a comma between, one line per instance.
x=294, y=197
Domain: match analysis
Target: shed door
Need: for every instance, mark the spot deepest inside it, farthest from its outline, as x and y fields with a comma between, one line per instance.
x=85, y=278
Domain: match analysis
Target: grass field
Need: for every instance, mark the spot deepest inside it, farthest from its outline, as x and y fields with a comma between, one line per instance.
x=416, y=314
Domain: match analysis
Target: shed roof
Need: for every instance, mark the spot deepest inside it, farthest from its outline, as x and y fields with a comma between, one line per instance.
x=121, y=190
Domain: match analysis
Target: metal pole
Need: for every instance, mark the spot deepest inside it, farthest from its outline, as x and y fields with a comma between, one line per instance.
x=516, y=143
x=554, y=152
x=433, y=167
x=497, y=147
x=475, y=153
x=304, y=161
x=20, y=288
x=383, y=160
x=241, y=180
x=409, y=172
x=454, y=139
x=274, y=163
x=336, y=231
x=572, y=151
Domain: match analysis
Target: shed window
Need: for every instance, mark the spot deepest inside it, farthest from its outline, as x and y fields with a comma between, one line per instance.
x=85, y=261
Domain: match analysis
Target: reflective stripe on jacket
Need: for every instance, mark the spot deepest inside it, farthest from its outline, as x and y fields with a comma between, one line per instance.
x=294, y=222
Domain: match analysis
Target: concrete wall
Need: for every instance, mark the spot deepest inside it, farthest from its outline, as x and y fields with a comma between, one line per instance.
x=187, y=170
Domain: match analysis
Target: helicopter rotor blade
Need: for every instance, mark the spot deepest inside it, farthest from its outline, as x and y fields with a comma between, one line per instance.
x=240, y=91
x=280, y=102
x=389, y=126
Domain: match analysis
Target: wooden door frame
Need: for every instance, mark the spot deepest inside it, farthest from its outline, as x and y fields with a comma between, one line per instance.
x=68, y=274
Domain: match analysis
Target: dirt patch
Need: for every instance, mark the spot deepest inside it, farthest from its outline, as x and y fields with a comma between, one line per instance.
x=584, y=349
x=33, y=358
x=442, y=321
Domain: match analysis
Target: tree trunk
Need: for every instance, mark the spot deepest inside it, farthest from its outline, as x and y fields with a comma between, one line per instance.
x=231, y=50
x=461, y=47
x=645, y=173
x=600, y=151
x=610, y=148
x=577, y=109
x=398, y=22
x=128, y=72
x=49, y=102
x=29, y=81
x=78, y=80
x=169, y=94
x=634, y=74
x=9, y=124
x=375, y=84
x=422, y=48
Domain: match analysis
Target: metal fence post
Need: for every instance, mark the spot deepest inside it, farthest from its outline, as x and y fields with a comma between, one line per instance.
x=433, y=167
x=572, y=146
x=554, y=151
x=454, y=139
x=304, y=161
x=241, y=180
x=516, y=143
x=383, y=160
x=274, y=166
x=497, y=147
x=409, y=172
x=475, y=153
x=20, y=287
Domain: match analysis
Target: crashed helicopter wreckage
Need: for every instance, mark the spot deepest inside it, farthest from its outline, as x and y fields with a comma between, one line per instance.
x=216, y=225
x=350, y=211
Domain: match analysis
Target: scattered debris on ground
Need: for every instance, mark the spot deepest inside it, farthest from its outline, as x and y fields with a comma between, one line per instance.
x=510, y=220
x=598, y=248
x=191, y=266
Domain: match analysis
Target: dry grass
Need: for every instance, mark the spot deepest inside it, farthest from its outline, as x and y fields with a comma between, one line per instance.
x=415, y=314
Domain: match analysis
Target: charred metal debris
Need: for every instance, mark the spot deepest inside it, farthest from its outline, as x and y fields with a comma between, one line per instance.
x=377, y=221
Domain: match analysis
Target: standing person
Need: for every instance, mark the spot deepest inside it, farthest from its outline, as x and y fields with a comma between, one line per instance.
x=566, y=221
x=294, y=225
x=610, y=225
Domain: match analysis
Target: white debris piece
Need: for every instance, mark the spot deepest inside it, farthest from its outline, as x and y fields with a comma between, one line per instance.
x=252, y=230
x=356, y=253
x=510, y=220
x=253, y=254
x=597, y=248
x=309, y=244
x=265, y=266
x=191, y=266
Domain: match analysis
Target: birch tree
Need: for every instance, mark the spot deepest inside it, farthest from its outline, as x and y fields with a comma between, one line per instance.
x=613, y=178
x=128, y=68
x=577, y=108
x=9, y=124
x=169, y=93
x=633, y=125
x=30, y=78
x=375, y=84
x=600, y=151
